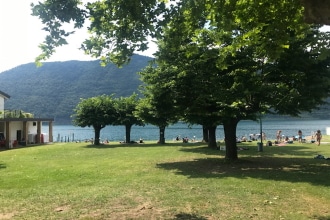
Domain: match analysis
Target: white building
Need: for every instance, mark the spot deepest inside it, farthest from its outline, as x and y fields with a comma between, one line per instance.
x=18, y=129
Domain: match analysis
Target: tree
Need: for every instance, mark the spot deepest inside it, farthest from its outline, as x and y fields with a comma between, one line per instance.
x=204, y=91
x=125, y=108
x=157, y=108
x=316, y=12
x=118, y=28
x=286, y=85
x=193, y=82
x=249, y=80
x=97, y=112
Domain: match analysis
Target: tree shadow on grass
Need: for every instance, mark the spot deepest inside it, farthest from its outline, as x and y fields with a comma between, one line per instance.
x=19, y=147
x=314, y=171
x=185, y=216
x=143, y=145
x=322, y=217
x=2, y=166
x=246, y=150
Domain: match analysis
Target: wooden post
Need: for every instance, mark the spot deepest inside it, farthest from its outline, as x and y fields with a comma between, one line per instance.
x=25, y=132
x=50, y=132
x=38, y=132
x=7, y=134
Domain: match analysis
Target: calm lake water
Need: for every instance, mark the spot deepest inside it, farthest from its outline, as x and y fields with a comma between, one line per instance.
x=149, y=132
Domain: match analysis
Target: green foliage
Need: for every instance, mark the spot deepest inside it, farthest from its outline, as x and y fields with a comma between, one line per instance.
x=96, y=112
x=125, y=108
x=16, y=114
x=53, y=14
x=158, y=102
x=302, y=75
x=157, y=107
x=237, y=71
x=266, y=24
x=118, y=28
x=104, y=110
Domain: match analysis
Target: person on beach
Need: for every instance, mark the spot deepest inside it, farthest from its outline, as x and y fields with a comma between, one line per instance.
x=318, y=137
x=278, y=136
x=300, y=136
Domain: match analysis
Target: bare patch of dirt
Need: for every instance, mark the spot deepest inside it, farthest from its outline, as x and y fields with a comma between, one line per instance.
x=62, y=208
x=7, y=215
x=145, y=210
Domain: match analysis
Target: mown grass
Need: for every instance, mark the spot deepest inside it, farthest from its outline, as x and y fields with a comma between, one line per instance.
x=174, y=181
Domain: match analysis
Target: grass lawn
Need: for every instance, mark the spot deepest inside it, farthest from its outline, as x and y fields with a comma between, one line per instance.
x=173, y=181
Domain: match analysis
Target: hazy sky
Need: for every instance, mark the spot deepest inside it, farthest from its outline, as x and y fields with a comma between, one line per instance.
x=21, y=34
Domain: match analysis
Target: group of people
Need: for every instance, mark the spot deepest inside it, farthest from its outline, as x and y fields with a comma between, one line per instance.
x=299, y=138
x=253, y=137
x=185, y=139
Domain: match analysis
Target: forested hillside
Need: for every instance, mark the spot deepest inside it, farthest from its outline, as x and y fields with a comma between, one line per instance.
x=55, y=88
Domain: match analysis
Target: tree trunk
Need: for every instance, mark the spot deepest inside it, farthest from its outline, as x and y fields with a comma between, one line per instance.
x=97, y=131
x=229, y=127
x=316, y=11
x=162, y=135
x=205, y=134
x=128, y=133
x=212, y=142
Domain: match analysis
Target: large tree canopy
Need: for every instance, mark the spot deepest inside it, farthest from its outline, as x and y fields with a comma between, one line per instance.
x=246, y=81
x=118, y=28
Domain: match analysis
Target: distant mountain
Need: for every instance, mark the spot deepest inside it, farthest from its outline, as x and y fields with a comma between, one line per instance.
x=54, y=89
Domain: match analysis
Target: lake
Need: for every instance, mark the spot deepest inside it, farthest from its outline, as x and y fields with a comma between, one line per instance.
x=245, y=128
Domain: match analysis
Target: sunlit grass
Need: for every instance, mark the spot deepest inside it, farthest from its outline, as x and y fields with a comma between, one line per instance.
x=173, y=181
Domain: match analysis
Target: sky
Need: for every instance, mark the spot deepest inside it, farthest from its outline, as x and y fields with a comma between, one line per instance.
x=21, y=33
